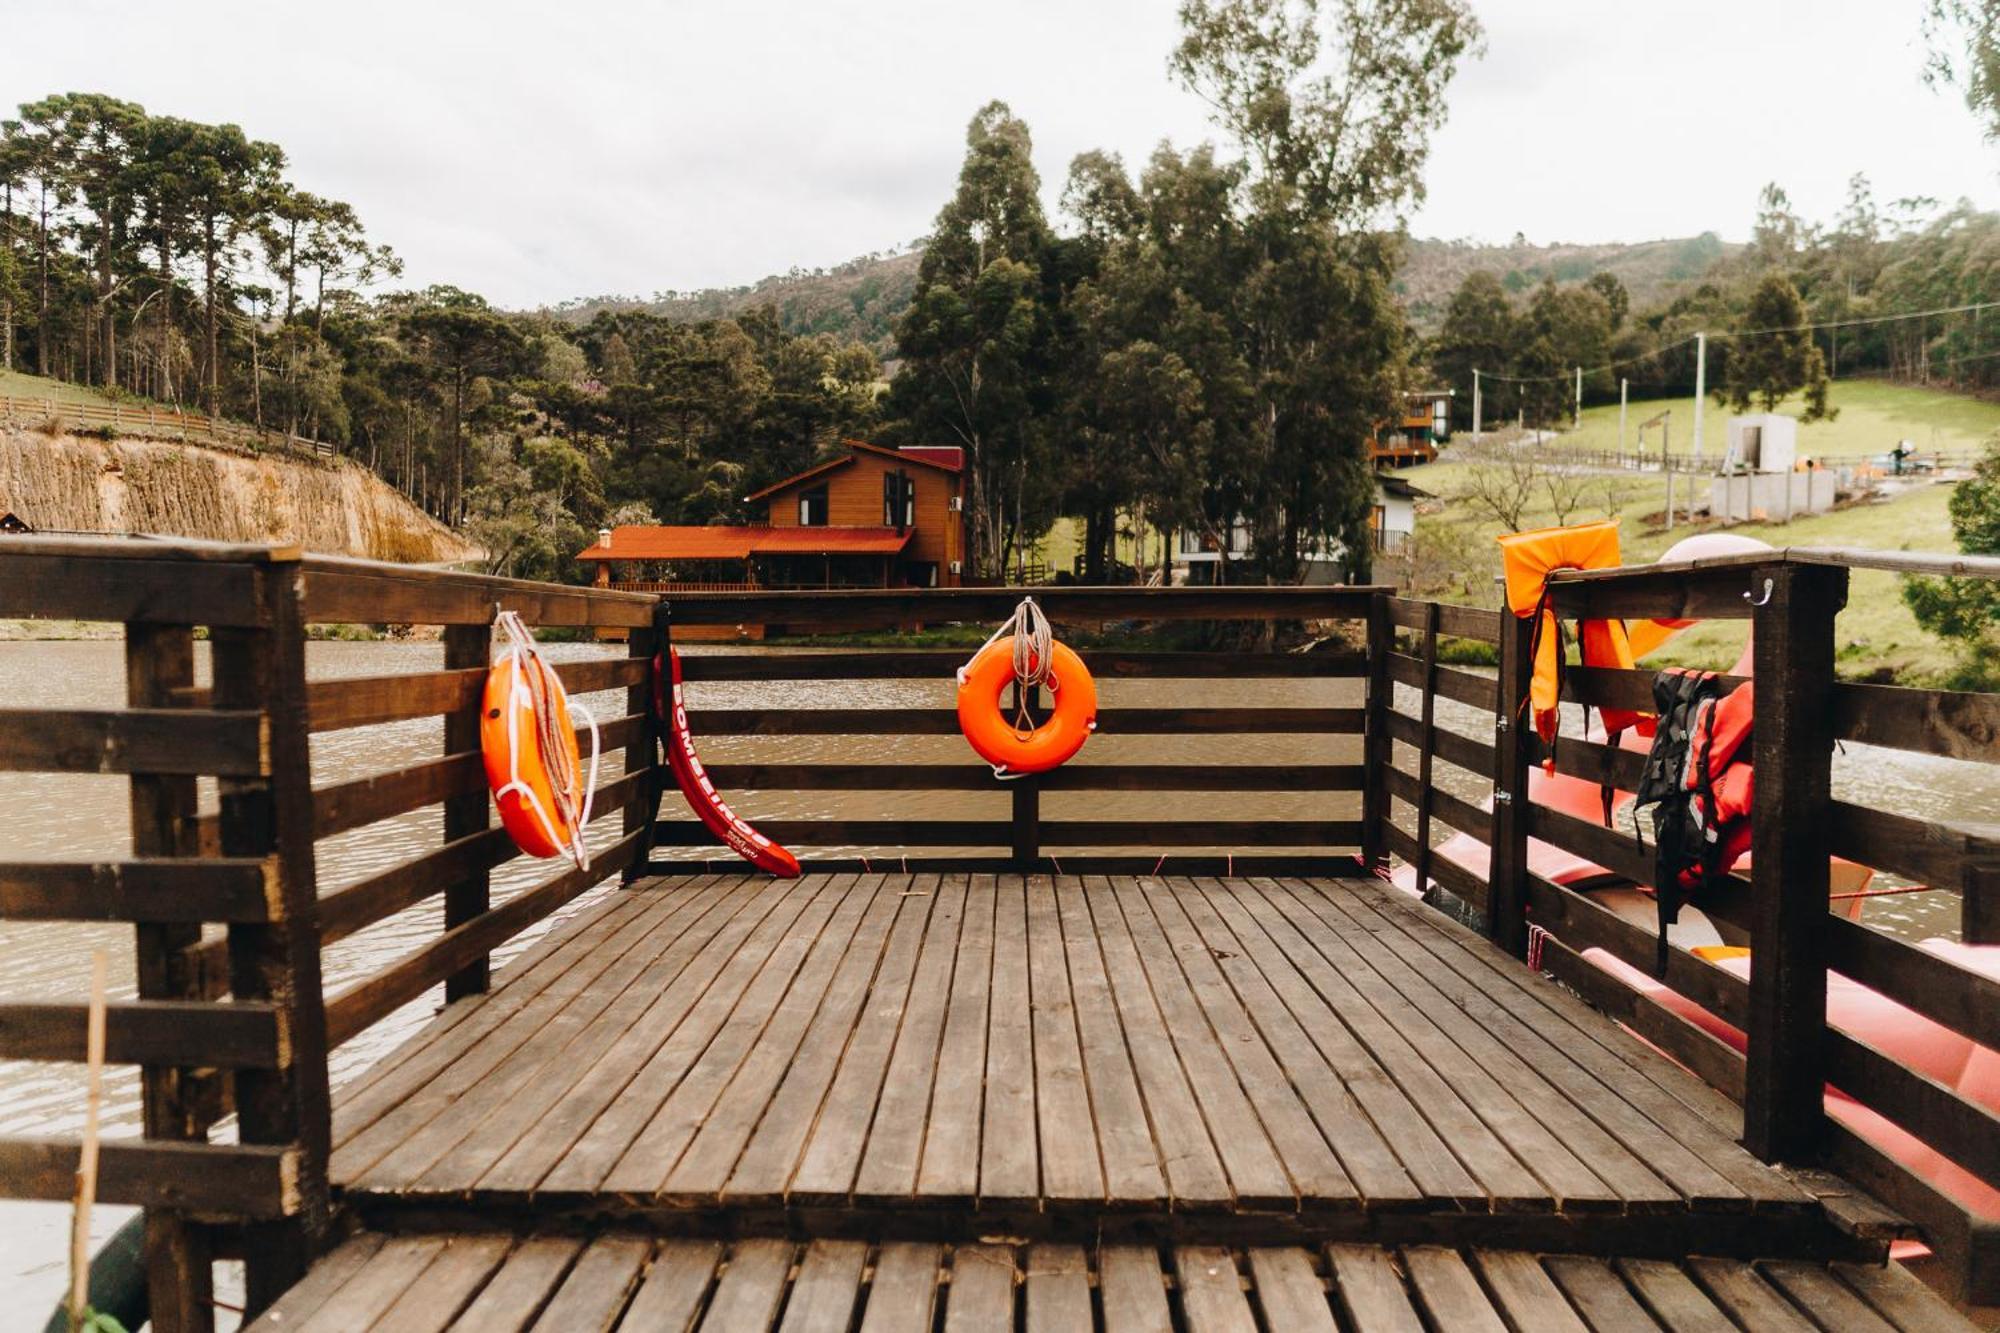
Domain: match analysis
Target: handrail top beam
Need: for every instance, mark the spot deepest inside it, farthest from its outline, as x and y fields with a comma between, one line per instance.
x=1945, y=564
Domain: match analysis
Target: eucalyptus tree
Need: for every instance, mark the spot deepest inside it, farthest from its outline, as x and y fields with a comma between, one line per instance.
x=1333, y=104
x=974, y=341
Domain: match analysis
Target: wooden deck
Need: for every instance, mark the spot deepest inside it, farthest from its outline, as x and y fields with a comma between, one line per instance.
x=493, y=1283
x=882, y=1056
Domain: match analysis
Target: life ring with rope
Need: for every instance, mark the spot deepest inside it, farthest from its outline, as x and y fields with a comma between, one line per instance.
x=1025, y=653
x=528, y=743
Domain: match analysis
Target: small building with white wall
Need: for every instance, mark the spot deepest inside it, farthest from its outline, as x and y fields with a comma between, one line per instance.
x=1761, y=479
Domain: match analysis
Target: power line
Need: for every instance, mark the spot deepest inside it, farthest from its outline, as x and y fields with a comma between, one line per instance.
x=1565, y=377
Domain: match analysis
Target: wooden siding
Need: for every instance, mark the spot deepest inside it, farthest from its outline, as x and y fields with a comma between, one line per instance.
x=854, y=499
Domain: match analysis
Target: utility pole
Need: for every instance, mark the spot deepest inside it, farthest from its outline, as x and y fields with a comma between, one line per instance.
x=1475, y=405
x=1700, y=387
x=1576, y=413
x=1623, y=384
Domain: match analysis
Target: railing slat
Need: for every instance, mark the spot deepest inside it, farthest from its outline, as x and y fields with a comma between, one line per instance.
x=1054, y=833
x=133, y=740
x=1460, y=814
x=1466, y=688
x=1462, y=622
x=237, y=1035
x=258, y=1183
x=108, y=580
x=863, y=664
x=1939, y=989
x=362, y=592
x=1956, y=724
x=944, y=721
x=990, y=605
x=1070, y=777
x=150, y=889
x=1475, y=757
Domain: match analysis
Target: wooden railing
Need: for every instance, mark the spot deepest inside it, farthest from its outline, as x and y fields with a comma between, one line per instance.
x=237, y=1021
x=1801, y=711
x=1026, y=840
x=154, y=422
x=240, y=1021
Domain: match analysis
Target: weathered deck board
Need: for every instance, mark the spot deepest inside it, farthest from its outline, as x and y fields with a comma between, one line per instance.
x=636, y=1283
x=1293, y=1059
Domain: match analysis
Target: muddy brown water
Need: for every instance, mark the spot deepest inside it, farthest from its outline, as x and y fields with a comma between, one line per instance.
x=63, y=816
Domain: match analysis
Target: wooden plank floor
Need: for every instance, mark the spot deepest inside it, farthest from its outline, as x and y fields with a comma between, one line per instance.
x=1232, y=1060
x=492, y=1283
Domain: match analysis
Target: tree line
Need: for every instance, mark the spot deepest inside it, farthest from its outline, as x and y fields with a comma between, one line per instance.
x=1801, y=304
x=1207, y=344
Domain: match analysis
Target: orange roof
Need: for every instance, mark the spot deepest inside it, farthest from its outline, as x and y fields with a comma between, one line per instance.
x=716, y=542
x=831, y=541
x=945, y=458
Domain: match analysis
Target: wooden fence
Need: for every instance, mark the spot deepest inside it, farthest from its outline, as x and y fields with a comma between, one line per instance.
x=238, y=1020
x=1031, y=842
x=1792, y=599
x=154, y=422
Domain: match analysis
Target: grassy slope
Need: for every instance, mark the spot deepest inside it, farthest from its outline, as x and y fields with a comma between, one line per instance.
x=1871, y=418
x=1877, y=632
x=16, y=384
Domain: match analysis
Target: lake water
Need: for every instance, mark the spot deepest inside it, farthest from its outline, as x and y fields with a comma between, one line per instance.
x=86, y=816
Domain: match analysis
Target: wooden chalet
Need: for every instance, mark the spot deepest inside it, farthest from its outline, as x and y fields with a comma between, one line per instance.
x=1414, y=437
x=871, y=518
x=1141, y=1043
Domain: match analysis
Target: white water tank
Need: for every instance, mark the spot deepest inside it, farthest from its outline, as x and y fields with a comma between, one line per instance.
x=1766, y=442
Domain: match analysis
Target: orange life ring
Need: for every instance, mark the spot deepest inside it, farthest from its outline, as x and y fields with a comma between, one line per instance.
x=542, y=820
x=993, y=735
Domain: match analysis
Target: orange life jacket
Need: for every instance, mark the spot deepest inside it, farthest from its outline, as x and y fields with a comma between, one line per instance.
x=1528, y=559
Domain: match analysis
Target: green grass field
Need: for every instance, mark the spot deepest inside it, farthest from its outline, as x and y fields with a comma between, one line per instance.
x=18, y=384
x=1871, y=418
x=1877, y=633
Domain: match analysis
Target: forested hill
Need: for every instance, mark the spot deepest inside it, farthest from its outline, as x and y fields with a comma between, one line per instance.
x=865, y=297
x=861, y=299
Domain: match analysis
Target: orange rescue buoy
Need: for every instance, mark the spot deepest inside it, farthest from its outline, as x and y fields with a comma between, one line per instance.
x=529, y=745
x=1001, y=743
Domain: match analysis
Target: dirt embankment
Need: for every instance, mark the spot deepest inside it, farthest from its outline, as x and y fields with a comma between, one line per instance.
x=66, y=483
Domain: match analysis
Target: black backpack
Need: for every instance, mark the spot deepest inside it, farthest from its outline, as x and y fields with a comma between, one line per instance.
x=1684, y=818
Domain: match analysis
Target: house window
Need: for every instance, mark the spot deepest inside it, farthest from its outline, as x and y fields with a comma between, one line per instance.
x=899, y=500
x=1441, y=417
x=812, y=508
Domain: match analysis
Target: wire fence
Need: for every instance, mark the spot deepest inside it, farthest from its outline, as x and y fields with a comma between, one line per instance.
x=154, y=422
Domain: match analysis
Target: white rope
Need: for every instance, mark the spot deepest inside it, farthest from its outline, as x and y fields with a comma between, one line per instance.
x=534, y=683
x=1034, y=647
x=1034, y=664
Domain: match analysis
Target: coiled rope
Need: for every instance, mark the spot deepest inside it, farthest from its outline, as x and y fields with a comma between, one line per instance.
x=572, y=795
x=1034, y=665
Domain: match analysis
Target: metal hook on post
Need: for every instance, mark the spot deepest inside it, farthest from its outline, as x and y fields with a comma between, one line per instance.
x=1759, y=601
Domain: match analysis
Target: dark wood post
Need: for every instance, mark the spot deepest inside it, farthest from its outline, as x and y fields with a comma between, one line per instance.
x=1507, y=887
x=1027, y=797
x=466, y=647
x=1375, y=745
x=272, y=816
x=1979, y=896
x=1427, y=740
x=641, y=642
x=1792, y=741
x=159, y=662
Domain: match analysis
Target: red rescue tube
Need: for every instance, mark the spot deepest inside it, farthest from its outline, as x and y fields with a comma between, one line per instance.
x=693, y=780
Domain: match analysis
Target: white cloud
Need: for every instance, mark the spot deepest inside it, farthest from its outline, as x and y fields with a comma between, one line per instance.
x=535, y=153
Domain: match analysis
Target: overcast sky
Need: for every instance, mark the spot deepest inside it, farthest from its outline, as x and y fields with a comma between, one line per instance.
x=538, y=152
